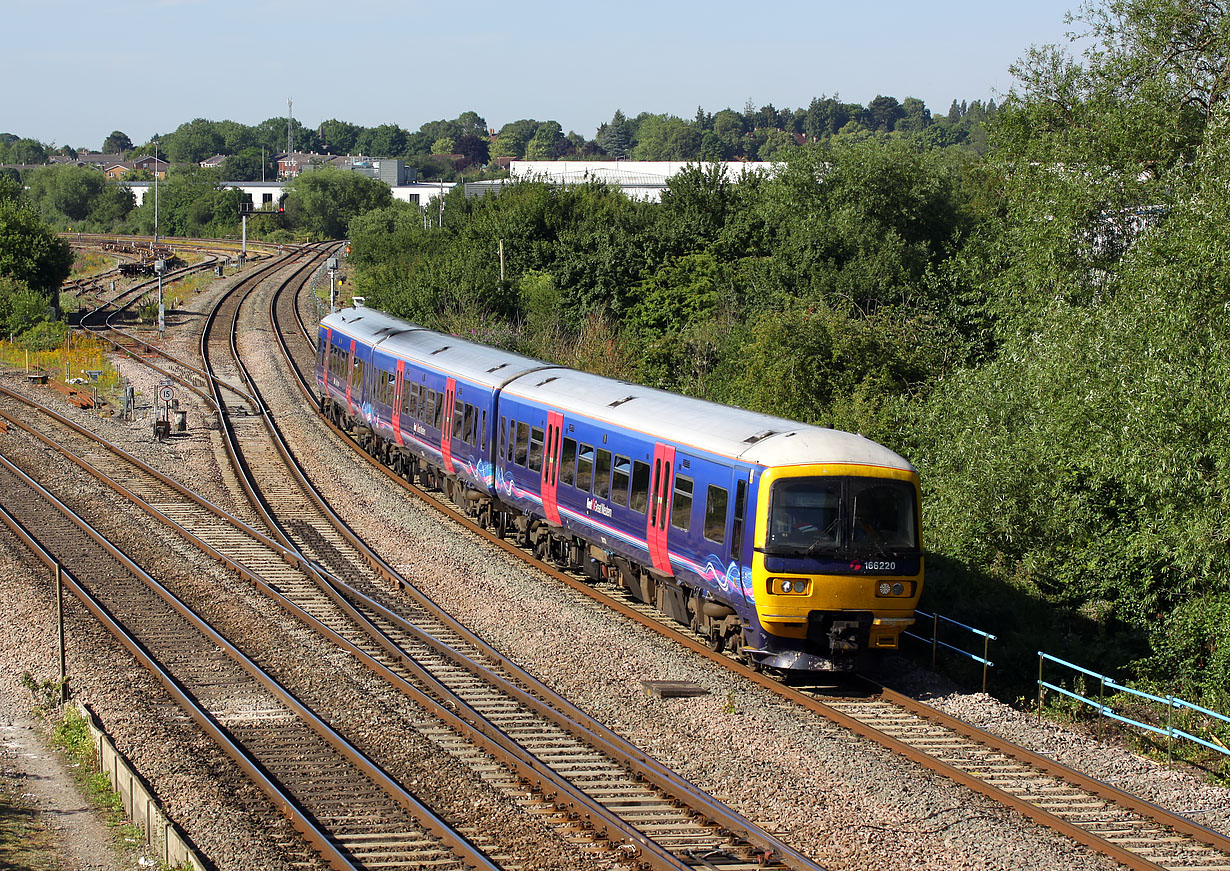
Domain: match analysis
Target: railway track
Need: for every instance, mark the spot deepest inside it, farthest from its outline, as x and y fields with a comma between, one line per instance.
x=1130, y=830
x=345, y=806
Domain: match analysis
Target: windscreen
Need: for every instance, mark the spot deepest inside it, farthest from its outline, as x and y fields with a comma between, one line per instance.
x=841, y=516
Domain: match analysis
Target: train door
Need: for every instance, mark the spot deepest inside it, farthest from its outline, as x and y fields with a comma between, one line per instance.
x=350, y=377
x=550, y=467
x=446, y=427
x=322, y=364
x=661, y=484
x=741, y=527
x=399, y=386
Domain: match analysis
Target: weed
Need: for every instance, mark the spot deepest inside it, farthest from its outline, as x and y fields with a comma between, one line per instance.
x=45, y=694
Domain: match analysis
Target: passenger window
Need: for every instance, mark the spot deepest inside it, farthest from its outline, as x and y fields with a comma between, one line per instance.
x=585, y=468
x=681, y=507
x=736, y=529
x=523, y=444
x=568, y=462
x=640, y=486
x=536, y=449
x=441, y=400
x=619, y=480
x=715, y=514
x=430, y=408
x=502, y=445
x=483, y=432
x=602, y=477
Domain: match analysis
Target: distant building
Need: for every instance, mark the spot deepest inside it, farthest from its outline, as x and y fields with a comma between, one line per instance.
x=638, y=179
x=153, y=165
x=212, y=162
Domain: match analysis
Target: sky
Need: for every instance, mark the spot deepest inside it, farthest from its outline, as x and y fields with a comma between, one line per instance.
x=75, y=71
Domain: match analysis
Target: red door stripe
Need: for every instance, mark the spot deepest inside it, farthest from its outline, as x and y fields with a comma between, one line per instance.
x=398, y=386
x=446, y=427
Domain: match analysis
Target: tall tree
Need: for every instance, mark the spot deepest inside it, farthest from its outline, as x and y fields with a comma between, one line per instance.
x=615, y=138
x=117, y=143
x=193, y=141
x=884, y=113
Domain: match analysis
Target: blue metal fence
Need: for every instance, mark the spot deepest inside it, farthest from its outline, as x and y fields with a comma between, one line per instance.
x=935, y=642
x=1105, y=712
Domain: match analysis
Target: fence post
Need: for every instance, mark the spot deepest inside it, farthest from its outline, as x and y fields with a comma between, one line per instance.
x=60, y=630
x=1101, y=716
x=1169, y=726
x=1039, y=684
x=986, y=659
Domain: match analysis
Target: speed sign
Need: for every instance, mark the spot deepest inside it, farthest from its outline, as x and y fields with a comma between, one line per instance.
x=166, y=394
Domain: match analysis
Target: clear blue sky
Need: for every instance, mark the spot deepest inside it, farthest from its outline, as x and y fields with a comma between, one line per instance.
x=74, y=71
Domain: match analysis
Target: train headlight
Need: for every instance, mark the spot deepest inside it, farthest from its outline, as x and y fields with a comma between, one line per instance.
x=788, y=586
x=887, y=588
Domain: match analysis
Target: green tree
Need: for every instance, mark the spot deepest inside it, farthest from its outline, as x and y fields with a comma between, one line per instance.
x=117, y=143
x=665, y=137
x=247, y=165
x=64, y=192
x=325, y=200
x=340, y=137
x=884, y=113
x=26, y=151
x=30, y=252
x=193, y=141
x=545, y=141
x=443, y=145
x=615, y=138
x=386, y=140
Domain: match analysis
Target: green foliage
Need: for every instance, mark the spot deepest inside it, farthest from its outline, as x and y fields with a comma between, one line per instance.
x=117, y=143
x=29, y=251
x=325, y=200
x=79, y=197
x=190, y=202
x=20, y=307
x=45, y=335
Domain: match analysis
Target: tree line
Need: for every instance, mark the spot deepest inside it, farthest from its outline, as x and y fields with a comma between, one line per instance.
x=449, y=149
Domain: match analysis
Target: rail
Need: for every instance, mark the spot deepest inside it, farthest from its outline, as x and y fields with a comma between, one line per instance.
x=1171, y=704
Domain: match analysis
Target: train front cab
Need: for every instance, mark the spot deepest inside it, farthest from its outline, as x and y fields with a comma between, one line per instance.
x=837, y=566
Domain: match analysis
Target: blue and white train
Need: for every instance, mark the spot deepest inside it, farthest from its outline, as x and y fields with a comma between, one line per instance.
x=795, y=546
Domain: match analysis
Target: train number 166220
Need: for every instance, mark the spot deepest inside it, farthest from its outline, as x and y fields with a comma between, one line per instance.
x=873, y=566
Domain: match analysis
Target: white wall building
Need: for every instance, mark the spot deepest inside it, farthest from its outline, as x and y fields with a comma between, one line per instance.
x=638, y=179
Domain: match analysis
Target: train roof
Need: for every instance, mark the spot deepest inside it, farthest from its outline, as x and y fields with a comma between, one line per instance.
x=720, y=429
x=709, y=426
x=366, y=323
x=480, y=364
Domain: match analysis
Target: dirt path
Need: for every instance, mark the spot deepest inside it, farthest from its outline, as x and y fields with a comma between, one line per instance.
x=67, y=834
x=38, y=775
